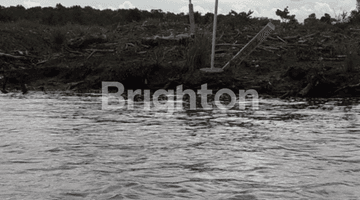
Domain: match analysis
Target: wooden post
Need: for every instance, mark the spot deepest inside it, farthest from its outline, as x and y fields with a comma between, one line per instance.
x=214, y=35
x=212, y=69
x=192, y=21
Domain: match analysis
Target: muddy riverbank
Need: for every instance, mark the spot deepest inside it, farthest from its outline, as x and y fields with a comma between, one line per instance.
x=50, y=59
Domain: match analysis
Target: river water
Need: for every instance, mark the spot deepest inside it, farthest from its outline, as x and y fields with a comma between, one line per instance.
x=55, y=146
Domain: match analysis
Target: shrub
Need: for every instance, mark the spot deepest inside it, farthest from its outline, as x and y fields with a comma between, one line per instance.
x=59, y=38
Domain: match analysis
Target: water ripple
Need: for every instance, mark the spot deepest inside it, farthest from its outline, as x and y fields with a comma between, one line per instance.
x=65, y=147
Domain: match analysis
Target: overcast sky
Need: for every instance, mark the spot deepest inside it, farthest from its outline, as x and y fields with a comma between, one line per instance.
x=262, y=8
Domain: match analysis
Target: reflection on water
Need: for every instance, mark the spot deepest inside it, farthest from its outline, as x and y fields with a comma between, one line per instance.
x=66, y=147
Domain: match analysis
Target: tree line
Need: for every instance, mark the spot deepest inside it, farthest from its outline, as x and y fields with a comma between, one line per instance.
x=60, y=15
x=352, y=18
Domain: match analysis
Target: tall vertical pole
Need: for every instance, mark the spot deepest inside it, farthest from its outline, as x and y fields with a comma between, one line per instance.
x=212, y=69
x=192, y=21
x=214, y=35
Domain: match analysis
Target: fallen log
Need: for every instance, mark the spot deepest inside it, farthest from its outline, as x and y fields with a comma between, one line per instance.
x=12, y=56
x=146, y=46
x=90, y=55
x=228, y=44
x=170, y=37
x=269, y=47
x=73, y=85
x=326, y=36
x=324, y=40
x=334, y=59
x=109, y=44
x=307, y=89
x=129, y=44
x=103, y=45
x=283, y=48
x=93, y=51
x=72, y=51
x=41, y=62
x=310, y=35
x=272, y=38
x=26, y=53
x=87, y=40
x=298, y=45
x=281, y=39
x=347, y=87
x=291, y=37
x=341, y=56
x=218, y=51
x=265, y=49
x=101, y=50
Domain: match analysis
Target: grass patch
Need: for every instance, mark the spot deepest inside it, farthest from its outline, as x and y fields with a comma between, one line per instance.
x=198, y=52
x=58, y=38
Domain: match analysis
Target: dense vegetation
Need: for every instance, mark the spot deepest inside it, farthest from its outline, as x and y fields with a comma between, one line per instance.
x=60, y=15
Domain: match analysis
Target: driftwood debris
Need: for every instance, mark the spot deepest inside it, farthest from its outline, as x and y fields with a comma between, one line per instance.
x=233, y=45
x=100, y=50
x=334, y=59
x=272, y=38
x=281, y=39
x=73, y=85
x=86, y=40
x=13, y=57
x=90, y=55
x=291, y=37
x=307, y=89
x=355, y=86
x=93, y=51
x=170, y=37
